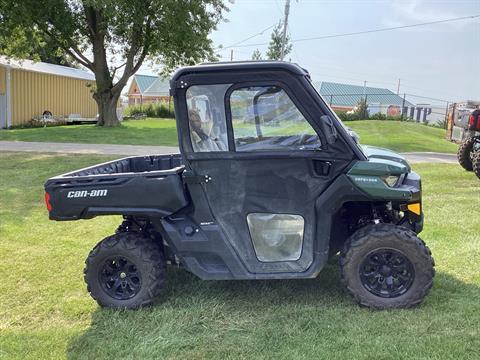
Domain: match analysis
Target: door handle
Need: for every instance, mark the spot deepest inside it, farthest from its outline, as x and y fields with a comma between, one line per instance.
x=321, y=167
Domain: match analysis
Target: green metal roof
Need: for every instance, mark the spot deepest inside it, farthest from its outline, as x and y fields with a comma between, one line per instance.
x=160, y=87
x=144, y=81
x=350, y=95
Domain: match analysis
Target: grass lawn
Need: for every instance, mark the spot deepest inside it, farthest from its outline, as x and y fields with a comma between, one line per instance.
x=402, y=136
x=134, y=132
x=398, y=136
x=46, y=312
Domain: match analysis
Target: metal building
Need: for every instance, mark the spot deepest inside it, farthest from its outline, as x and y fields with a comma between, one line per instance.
x=145, y=89
x=28, y=89
x=345, y=97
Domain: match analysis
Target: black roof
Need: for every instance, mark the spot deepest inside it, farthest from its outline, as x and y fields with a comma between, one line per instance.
x=240, y=65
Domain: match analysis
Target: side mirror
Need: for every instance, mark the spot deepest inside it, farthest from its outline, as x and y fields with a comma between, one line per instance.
x=354, y=135
x=328, y=129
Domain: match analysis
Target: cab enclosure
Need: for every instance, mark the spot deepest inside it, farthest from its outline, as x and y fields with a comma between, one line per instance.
x=276, y=182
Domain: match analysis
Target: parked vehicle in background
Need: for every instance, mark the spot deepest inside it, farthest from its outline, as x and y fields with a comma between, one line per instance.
x=268, y=185
x=464, y=128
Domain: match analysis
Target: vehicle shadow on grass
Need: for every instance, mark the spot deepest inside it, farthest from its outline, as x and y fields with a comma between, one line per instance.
x=194, y=312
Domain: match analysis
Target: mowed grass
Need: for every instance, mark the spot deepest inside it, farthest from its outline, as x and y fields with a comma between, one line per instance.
x=150, y=131
x=46, y=311
x=402, y=136
x=395, y=135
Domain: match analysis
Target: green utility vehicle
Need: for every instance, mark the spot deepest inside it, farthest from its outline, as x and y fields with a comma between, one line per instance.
x=464, y=128
x=269, y=184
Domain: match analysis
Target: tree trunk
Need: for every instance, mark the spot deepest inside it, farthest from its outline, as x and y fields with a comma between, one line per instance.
x=107, y=108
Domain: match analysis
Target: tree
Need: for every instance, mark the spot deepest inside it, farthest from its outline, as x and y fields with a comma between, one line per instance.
x=48, y=51
x=257, y=55
x=361, y=110
x=274, y=51
x=112, y=38
x=45, y=50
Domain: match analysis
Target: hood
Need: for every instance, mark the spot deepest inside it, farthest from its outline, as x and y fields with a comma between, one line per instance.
x=373, y=153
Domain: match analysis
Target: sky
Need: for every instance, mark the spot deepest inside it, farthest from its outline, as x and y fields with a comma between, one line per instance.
x=439, y=61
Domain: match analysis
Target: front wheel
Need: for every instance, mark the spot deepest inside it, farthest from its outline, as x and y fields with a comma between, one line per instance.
x=125, y=270
x=384, y=266
x=464, y=154
x=476, y=163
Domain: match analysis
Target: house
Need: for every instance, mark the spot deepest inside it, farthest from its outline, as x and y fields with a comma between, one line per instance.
x=146, y=89
x=344, y=97
x=29, y=89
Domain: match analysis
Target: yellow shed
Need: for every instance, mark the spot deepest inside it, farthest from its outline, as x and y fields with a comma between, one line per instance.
x=28, y=89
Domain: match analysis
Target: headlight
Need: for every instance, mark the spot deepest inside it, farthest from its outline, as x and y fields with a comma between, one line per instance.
x=391, y=180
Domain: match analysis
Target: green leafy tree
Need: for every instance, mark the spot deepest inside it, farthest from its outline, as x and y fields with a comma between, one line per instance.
x=274, y=51
x=47, y=50
x=112, y=38
x=361, y=110
x=257, y=55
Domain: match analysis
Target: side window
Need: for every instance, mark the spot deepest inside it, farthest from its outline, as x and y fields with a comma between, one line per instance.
x=206, y=117
x=265, y=118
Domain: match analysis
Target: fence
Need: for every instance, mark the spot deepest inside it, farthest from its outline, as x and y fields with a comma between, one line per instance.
x=408, y=106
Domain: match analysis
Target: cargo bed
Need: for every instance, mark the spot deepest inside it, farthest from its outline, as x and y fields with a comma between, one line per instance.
x=141, y=185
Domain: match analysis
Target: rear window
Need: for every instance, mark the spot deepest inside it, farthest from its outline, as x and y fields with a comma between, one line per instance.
x=206, y=115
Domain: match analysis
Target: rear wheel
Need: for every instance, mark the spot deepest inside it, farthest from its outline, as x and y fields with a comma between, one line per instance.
x=464, y=154
x=385, y=266
x=125, y=270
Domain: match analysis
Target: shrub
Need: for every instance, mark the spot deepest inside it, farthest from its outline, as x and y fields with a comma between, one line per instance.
x=163, y=110
x=160, y=109
x=37, y=123
x=360, y=112
x=134, y=110
x=344, y=116
x=378, y=116
x=442, y=124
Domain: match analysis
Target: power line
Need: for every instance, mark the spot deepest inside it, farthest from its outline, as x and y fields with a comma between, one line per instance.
x=278, y=7
x=429, y=98
x=293, y=47
x=367, y=31
x=248, y=38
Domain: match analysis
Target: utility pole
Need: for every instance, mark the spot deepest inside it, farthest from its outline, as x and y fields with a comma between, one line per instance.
x=285, y=24
x=398, y=87
x=231, y=55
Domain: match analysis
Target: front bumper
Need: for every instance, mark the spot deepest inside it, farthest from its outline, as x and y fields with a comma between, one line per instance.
x=413, y=222
x=412, y=209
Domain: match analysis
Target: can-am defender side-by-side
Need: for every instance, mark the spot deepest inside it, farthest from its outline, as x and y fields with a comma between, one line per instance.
x=463, y=127
x=469, y=149
x=268, y=185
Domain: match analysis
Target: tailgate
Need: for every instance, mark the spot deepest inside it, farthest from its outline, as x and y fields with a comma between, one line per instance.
x=155, y=193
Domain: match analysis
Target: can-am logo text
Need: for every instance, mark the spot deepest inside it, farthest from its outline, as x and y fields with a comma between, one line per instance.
x=86, y=193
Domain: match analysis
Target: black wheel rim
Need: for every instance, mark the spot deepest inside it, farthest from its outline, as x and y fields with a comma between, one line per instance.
x=387, y=273
x=120, y=278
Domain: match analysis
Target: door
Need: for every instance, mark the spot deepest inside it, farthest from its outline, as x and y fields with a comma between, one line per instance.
x=267, y=166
